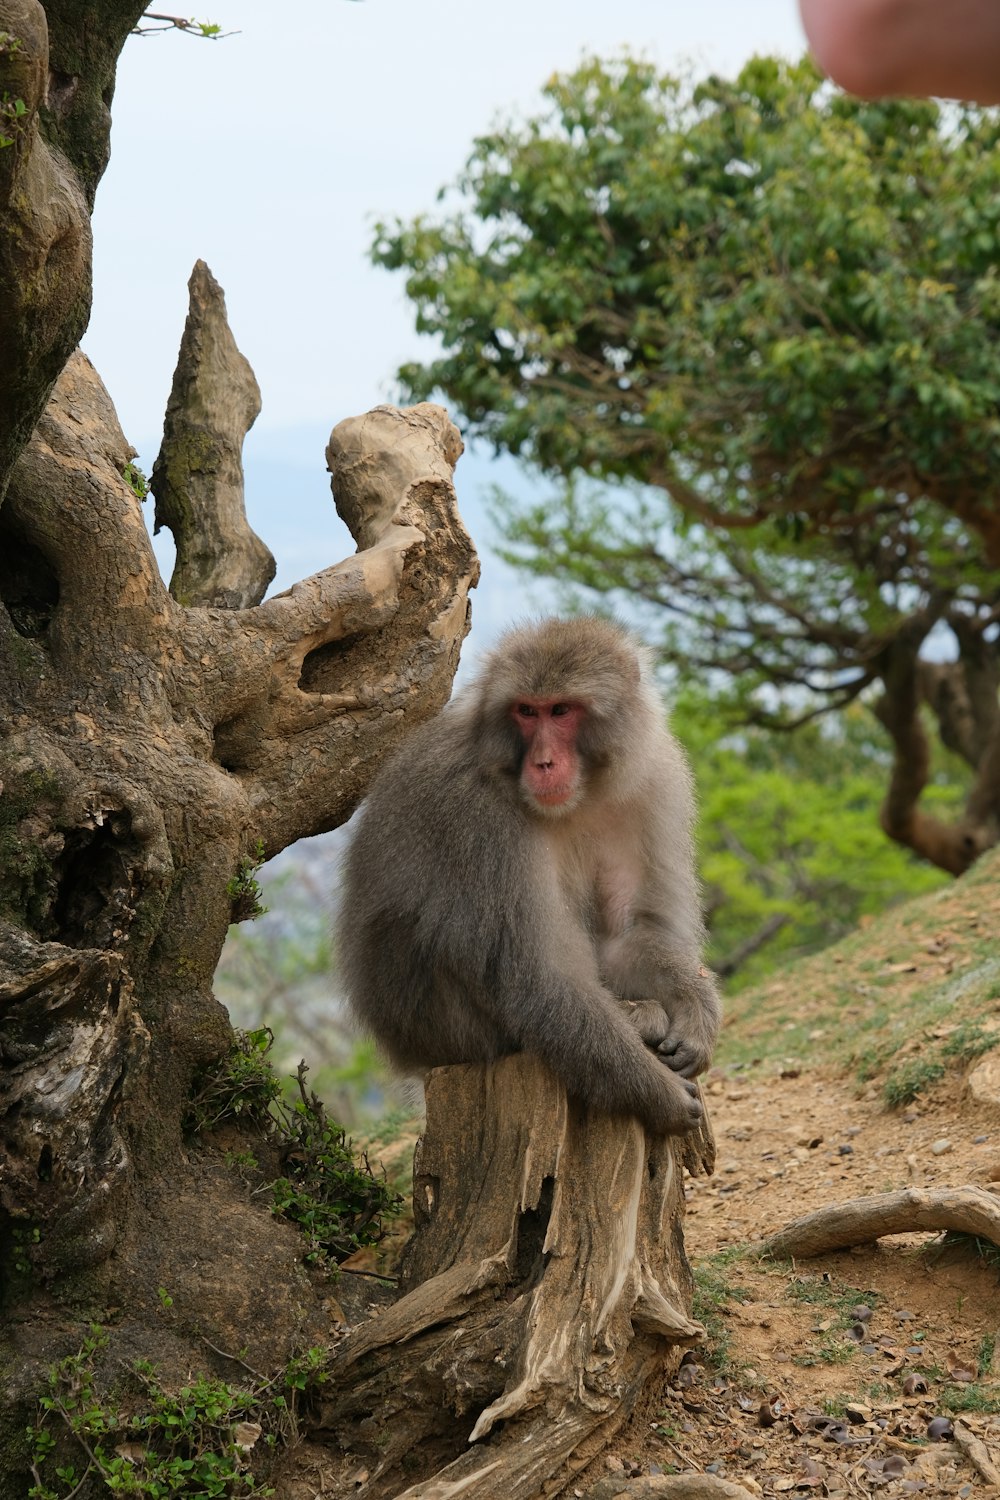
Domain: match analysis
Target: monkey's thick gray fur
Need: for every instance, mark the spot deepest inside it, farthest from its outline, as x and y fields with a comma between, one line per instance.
x=474, y=924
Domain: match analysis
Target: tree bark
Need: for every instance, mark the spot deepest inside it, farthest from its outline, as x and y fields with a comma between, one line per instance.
x=545, y=1283
x=147, y=752
x=60, y=63
x=951, y=846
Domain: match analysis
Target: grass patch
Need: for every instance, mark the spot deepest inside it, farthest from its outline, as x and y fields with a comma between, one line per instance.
x=968, y=1041
x=714, y=1291
x=957, y=1399
x=906, y=1083
x=880, y=992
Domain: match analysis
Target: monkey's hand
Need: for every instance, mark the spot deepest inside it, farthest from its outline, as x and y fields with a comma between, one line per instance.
x=691, y=1026
x=684, y=1054
x=685, y=1038
x=690, y=1110
x=650, y=1021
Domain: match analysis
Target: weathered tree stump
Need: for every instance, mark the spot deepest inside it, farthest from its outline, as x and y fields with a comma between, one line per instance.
x=546, y=1281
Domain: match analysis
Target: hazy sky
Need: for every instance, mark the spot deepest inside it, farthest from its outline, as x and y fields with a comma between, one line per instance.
x=271, y=153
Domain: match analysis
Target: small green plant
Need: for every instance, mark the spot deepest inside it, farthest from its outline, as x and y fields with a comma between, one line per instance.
x=196, y=1443
x=714, y=1290
x=243, y=1086
x=908, y=1082
x=833, y=1349
x=242, y=1162
x=244, y=889
x=339, y=1203
x=166, y=1301
x=12, y=112
x=208, y=31
x=969, y=1040
x=969, y=1398
x=336, y=1199
x=136, y=480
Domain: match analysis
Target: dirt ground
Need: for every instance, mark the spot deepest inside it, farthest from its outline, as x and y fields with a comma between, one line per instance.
x=803, y=1384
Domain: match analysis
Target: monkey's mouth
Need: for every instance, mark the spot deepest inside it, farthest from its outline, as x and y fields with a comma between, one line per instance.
x=554, y=800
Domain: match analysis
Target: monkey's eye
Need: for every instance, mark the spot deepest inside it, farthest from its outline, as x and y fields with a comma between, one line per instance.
x=558, y=709
x=526, y=711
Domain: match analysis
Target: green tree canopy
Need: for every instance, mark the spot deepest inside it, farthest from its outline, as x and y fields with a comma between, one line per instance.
x=775, y=311
x=790, y=854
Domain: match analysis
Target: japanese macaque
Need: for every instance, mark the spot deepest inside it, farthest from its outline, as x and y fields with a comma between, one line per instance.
x=522, y=880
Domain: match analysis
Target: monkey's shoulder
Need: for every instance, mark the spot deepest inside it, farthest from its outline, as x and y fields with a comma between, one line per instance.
x=437, y=802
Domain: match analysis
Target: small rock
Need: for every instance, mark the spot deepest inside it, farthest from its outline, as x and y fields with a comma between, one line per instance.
x=845, y=1150
x=940, y=1147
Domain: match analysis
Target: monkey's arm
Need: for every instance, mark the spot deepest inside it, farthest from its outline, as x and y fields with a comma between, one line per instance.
x=580, y=1030
x=670, y=996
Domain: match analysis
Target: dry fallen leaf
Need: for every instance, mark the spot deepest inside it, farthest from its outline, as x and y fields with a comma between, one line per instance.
x=958, y=1368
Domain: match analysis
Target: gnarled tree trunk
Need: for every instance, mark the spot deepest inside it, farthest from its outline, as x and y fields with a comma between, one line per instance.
x=149, y=752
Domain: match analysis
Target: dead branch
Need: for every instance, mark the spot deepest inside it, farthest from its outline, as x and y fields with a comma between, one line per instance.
x=980, y=1457
x=197, y=478
x=969, y=1210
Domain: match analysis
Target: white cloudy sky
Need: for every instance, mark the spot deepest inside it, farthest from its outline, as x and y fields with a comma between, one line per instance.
x=270, y=155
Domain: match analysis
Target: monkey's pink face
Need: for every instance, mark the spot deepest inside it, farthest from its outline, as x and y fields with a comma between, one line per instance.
x=550, y=771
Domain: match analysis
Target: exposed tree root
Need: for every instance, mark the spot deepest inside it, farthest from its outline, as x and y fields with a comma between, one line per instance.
x=969, y=1210
x=983, y=1460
